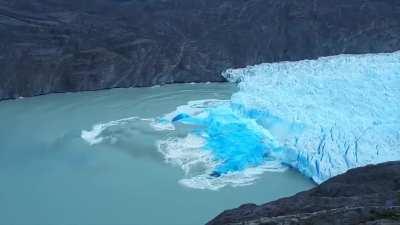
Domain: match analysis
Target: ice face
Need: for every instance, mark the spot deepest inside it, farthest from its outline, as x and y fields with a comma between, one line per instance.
x=329, y=114
x=321, y=117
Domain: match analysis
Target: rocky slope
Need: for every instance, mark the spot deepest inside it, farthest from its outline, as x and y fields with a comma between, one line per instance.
x=72, y=45
x=363, y=196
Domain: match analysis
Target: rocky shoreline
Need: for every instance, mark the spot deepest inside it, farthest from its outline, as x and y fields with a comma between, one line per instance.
x=364, y=196
x=51, y=46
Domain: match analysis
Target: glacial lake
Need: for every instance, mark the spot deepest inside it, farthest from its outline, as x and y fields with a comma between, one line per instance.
x=50, y=175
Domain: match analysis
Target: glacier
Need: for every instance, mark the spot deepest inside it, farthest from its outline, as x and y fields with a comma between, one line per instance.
x=330, y=114
x=320, y=117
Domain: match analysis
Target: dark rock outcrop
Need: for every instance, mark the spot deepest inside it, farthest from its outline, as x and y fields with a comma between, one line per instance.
x=363, y=196
x=72, y=45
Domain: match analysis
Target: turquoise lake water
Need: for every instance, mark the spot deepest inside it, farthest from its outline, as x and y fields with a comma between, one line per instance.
x=50, y=175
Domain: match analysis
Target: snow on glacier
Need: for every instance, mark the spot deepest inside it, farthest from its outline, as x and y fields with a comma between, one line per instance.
x=321, y=117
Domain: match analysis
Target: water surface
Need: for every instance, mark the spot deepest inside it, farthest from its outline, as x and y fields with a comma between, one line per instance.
x=50, y=175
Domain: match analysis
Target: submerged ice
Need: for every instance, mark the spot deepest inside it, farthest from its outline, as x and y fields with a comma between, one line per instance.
x=320, y=117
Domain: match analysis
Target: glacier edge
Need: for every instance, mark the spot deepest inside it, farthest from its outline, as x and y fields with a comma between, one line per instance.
x=334, y=113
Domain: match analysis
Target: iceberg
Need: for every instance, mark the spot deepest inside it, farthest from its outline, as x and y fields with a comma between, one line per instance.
x=320, y=117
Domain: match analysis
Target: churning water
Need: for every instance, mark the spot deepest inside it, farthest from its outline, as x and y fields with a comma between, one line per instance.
x=105, y=158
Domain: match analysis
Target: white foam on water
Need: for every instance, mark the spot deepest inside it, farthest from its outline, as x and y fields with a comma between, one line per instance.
x=196, y=159
x=162, y=125
x=234, y=179
x=94, y=137
x=198, y=163
x=187, y=153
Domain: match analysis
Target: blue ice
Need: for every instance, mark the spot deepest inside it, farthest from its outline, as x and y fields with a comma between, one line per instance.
x=321, y=117
x=233, y=143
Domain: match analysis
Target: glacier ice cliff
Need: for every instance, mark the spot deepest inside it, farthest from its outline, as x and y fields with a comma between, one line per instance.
x=329, y=114
x=321, y=117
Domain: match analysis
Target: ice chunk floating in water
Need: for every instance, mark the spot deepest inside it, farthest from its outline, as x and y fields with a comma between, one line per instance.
x=321, y=117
